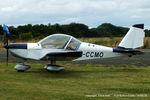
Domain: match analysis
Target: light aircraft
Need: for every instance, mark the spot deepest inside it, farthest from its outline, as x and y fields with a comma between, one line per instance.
x=61, y=47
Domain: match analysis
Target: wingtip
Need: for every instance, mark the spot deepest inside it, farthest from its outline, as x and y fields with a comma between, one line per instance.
x=141, y=26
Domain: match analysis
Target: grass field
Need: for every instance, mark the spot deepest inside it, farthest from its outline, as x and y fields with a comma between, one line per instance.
x=76, y=82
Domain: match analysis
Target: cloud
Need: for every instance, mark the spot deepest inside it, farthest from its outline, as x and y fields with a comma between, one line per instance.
x=90, y=12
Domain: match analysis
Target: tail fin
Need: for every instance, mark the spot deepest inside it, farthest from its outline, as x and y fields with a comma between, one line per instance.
x=134, y=38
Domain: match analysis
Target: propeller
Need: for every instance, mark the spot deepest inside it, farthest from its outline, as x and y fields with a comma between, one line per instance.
x=5, y=41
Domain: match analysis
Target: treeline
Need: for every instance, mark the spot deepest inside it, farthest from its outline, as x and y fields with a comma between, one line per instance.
x=29, y=31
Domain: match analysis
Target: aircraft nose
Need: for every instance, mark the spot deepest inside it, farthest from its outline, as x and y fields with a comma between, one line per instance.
x=6, y=47
x=17, y=46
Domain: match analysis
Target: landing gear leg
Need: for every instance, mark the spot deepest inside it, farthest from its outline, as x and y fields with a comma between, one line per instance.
x=53, y=67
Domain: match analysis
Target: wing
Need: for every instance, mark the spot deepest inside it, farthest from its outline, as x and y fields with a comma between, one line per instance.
x=63, y=56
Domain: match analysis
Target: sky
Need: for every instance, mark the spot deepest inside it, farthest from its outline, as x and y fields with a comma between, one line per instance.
x=90, y=12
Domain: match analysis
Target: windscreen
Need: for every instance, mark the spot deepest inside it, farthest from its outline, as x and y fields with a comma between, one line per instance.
x=55, y=41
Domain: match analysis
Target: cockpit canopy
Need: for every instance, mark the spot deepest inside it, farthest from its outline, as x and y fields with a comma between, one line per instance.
x=60, y=41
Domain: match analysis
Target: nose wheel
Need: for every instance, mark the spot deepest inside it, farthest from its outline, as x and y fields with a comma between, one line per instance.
x=21, y=67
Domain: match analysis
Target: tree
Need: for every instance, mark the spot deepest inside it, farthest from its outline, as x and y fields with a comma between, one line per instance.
x=26, y=36
x=75, y=29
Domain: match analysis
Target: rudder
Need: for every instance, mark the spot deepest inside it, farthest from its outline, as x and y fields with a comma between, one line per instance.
x=134, y=37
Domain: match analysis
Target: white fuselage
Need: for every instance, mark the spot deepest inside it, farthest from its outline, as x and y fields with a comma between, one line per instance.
x=92, y=51
x=89, y=51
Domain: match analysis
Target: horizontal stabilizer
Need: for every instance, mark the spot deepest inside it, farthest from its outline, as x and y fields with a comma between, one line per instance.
x=127, y=50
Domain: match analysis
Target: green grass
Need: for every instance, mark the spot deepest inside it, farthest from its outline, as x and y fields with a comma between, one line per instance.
x=75, y=82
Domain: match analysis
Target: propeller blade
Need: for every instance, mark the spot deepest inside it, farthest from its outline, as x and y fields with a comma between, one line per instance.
x=4, y=38
x=7, y=57
x=5, y=41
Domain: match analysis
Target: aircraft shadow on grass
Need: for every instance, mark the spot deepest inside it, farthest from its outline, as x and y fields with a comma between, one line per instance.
x=80, y=73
